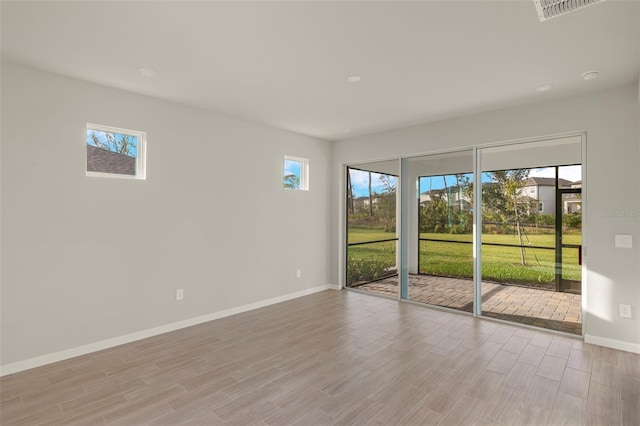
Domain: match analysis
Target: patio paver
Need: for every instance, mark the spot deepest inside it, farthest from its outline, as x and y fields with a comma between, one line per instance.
x=526, y=305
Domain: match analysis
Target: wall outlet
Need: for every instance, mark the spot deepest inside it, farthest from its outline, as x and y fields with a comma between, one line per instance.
x=180, y=294
x=298, y=273
x=624, y=310
x=623, y=241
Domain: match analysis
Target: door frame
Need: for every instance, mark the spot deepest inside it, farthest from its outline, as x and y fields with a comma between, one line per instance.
x=561, y=284
x=401, y=213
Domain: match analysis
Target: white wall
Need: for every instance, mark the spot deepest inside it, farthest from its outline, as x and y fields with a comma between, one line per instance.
x=88, y=259
x=547, y=194
x=611, y=121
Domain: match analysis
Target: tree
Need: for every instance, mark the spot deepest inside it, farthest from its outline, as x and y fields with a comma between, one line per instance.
x=503, y=197
x=463, y=185
x=350, y=200
x=370, y=198
x=123, y=144
x=434, y=217
x=291, y=181
x=448, y=199
x=464, y=191
x=387, y=202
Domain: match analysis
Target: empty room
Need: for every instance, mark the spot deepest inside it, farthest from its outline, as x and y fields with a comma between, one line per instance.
x=320, y=212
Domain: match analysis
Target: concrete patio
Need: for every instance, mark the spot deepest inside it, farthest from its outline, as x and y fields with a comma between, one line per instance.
x=526, y=305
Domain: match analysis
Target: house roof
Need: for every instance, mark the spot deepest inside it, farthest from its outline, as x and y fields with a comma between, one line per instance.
x=452, y=189
x=105, y=161
x=546, y=181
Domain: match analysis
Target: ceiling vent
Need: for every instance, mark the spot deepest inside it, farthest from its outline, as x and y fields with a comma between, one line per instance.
x=548, y=9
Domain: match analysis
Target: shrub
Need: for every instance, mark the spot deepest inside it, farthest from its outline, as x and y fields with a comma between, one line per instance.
x=362, y=270
x=540, y=220
x=572, y=221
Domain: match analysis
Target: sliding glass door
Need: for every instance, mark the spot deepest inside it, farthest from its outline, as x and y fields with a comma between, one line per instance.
x=372, y=253
x=531, y=233
x=569, y=229
x=494, y=231
x=440, y=246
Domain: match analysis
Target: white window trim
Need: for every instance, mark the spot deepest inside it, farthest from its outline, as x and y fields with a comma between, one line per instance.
x=304, y=171
x=141, y=162
x=540, y=206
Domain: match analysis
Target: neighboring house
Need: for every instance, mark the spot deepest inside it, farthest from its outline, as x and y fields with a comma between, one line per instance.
x=104, y=161
x=377, y=201
x=543, y=191
x=362, y=203
x=538, y=191
x=453, y=195
x=572, y=203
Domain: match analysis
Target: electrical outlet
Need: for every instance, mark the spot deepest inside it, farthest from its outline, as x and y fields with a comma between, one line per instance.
x=623, y=241
x=298, y=273
x=180, y=294
x=624, y=310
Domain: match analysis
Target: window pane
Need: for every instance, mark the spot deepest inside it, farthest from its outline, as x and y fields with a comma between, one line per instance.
x=112, y=152
x=295, y=173
x=570, y=176
x=292, y=174
x=371, y=228
x=530, y=241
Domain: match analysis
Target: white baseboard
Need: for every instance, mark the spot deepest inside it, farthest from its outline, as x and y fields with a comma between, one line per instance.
x=128, y=338
x=612, y=343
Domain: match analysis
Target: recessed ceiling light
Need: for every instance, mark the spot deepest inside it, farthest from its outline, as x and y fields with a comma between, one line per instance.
x=353, y=78
x=147, y=72
x=590, y=75
x=544, y=87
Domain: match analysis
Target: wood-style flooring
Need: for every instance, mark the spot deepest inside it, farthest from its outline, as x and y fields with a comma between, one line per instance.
x=335, y=358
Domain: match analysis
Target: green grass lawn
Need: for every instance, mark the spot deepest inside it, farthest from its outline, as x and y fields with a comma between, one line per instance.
x=502, y=264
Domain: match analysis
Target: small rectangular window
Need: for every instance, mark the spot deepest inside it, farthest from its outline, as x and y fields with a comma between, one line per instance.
x=113, y=152
x=296, y=173
x=540, y=207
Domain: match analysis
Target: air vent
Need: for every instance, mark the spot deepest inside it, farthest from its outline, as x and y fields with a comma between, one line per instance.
x=548, y=9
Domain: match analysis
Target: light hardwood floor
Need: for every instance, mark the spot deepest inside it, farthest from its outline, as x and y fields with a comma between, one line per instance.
x=335, y=358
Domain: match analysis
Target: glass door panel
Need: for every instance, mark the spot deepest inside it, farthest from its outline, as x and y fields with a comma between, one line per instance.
x=441, y=226
x=530, y=238
x=372, y=240
x=412, y=233
x=570, y=277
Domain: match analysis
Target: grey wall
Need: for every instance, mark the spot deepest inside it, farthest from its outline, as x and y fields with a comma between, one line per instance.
x=612, y=179
x=86, y=259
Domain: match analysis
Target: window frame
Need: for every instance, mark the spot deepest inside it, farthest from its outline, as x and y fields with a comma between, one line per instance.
x=304, y=172
x=141, y=151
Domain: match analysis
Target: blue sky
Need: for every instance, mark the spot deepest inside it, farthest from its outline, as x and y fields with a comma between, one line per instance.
x=437, y=182
x=291, y=167
x=360, y=183
x=133, y=151
x=360, y=179
x=571, y=173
